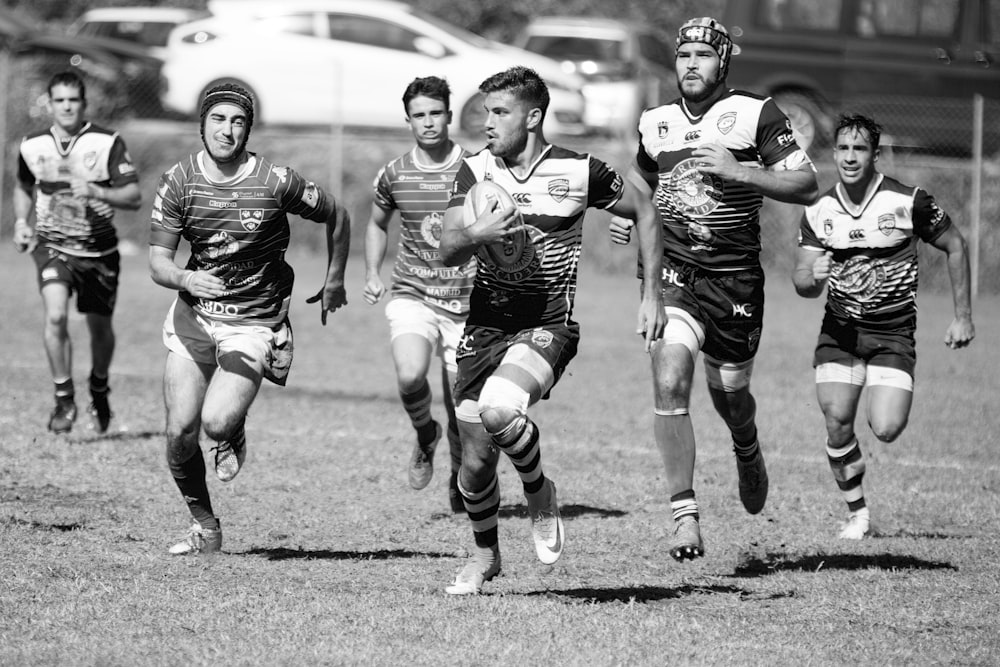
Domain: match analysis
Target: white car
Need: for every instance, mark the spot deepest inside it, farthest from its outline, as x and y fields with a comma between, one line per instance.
x=316, y=62
x=147, y=26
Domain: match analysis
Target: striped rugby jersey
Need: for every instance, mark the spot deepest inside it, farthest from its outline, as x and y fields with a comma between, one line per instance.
x=532, y=281
x=74, y=225
x=709, y=222
x=239, y=228
x=874, y=274
x=420, y=193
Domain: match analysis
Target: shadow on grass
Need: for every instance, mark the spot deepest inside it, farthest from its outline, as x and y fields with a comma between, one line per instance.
x=87, y=438
x=38, y=525
x=772, y=563
x=282, y=553
x=324, y=395
x=646, y=594
x=569, y=511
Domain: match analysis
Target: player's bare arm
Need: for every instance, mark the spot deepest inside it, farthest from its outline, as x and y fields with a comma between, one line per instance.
x=812, y=269
x=459, y=243
x=636, y=204
x=165, y=272
x=376, y=243
x=333, y=295
x=128, y=196
x=620, y=228
x=24, y=234
x=961, y=331
x=793, y=186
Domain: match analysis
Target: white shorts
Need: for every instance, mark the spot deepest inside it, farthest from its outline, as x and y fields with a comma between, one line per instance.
x=202, y=340
x=409, y=316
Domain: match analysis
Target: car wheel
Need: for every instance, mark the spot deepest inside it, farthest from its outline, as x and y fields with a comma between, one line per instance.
x=809, y=124
x=473, y=116
x=256, y=100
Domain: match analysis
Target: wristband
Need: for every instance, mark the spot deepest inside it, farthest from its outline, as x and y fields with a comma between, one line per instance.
x=186, y=283
x=21, y=221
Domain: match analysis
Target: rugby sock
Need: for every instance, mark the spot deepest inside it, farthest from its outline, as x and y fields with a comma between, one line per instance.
x=683, y=504
x=848, y=466
x=98, y=385
x=64, y=388
x=454, y=446
x=745, y=435
x=190, y=479
x=418, y=406
x=746, y=452
x=483, y=508
x=519, y=441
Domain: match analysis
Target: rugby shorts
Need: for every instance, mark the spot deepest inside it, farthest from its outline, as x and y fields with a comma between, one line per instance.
x=94, y=280
x=442, y=330
x=844, y=340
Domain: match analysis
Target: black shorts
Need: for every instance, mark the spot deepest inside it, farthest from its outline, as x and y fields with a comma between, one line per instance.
x=728, y=305
x=842, y=340
x=93, y=279
x=483, y=348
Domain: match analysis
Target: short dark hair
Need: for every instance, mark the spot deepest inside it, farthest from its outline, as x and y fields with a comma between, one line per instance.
x=521, y=82
x=68, y=78
x=859, y=123
x=433, y=87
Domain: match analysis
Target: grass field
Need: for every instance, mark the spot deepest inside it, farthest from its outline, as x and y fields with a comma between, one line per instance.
x=330, y=558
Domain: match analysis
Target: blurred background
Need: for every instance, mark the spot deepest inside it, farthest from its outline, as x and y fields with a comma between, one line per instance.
x=329, y=75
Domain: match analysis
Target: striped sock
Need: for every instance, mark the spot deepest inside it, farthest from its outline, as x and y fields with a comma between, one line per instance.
x=848, y=468
x=684, y=504
x=519, y=441
x=484, y=513
x=418, y=407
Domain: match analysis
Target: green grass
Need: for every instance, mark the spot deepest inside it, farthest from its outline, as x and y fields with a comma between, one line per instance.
x=330, y=558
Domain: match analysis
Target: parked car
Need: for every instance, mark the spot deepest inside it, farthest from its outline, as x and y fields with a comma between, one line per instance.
x=626, y=67
x=323, y=61
x=915, y=65
x=147, y=26
x=122, y=78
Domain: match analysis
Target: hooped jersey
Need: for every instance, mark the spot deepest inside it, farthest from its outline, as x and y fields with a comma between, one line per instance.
x=709, y=222
x=874, y=245
x=238, y=229
x=531, y=280
x=81, y=226
x=421, y=193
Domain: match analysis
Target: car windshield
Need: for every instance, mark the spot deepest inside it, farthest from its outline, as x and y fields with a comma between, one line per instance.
x=575, y=48
x=453, y=30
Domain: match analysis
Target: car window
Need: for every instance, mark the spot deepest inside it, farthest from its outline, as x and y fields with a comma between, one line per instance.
x=576, y=48
x=373, y=32
x=907, y=18
x=800, y=14
x=293, y=24
x=992, y=29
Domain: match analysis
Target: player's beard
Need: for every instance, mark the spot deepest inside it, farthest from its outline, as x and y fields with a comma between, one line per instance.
x=701, y=94
x=511, y=146
x=235, y=156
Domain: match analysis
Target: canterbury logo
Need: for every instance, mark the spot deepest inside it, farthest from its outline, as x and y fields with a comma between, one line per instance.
x=521, y=198
x=856, y=234
x=691, y=136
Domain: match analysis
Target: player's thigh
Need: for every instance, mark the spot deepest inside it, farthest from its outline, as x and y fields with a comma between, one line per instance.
x=411, y=354
x=839, y=401
x=184, y=385
x=55, y=301
x=890, y=396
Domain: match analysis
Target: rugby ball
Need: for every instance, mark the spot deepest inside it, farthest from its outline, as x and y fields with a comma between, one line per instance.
x=482, y=197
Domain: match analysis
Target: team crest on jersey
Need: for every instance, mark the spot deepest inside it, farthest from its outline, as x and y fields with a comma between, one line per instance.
x=661, y=129
x=693, y=192
x=541, y=338
x=251, y=218
x=886, y=223
x=726, y=122
x=828, y=227
x=430, y=230
x=90, y=159
x=861, y=278
x=280, y=172
x=518, y=257
x=68, y=209
x=559, y=189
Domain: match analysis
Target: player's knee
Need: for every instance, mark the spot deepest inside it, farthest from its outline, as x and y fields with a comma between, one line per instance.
x=181, y=446
x=56, y=320
x=409, y=380
x=887, y=430
x=219, y=429
x=501, y=404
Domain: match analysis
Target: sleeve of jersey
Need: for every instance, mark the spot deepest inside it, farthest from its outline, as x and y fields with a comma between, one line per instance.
x=643, y=159
x=606, y=185
x=807, y=235
x=120, y=165
x=775, y=141
x=166, y=222
x=24, y=174
x=383, y=191
x=929, y=220
x=464, y=179
x=304, y=198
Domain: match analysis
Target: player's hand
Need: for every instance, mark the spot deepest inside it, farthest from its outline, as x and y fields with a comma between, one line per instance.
x=960, y=333
x=332, y=297
x=80, y=188
x=717, y=160
x=498, y=224
x=652, y=320
x=823, y=266
x=374, y=289
x=620, y=229
x=24, y=236
x=205, y=284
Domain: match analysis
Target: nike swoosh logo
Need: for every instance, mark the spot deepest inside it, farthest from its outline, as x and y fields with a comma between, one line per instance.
x=557, y=547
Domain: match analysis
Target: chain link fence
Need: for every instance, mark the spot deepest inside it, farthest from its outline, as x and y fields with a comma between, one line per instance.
x=964, y=177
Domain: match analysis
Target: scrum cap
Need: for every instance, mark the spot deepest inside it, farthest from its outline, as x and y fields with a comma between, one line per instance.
x=708, y=31
x=228, y=93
